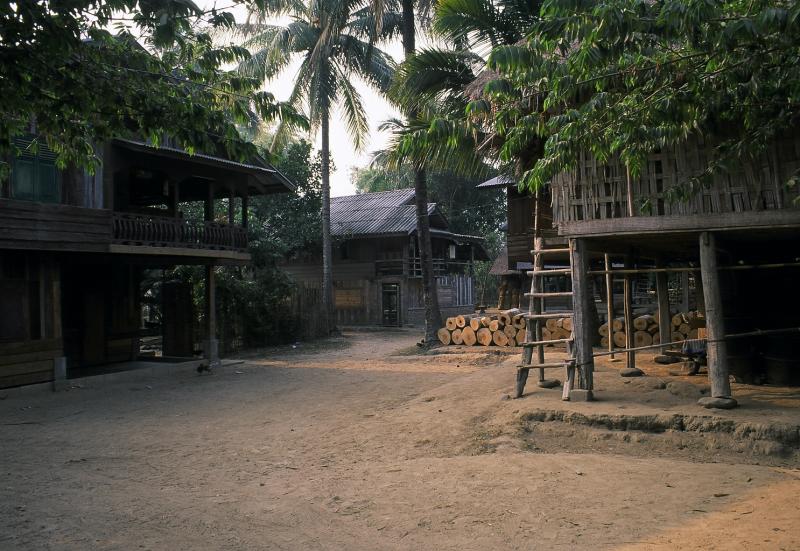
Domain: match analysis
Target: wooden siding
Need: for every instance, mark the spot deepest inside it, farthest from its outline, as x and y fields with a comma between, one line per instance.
x=595, y=191
x=28, y=362
x=28, y=225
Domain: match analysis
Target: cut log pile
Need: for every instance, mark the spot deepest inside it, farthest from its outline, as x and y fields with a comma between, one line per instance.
x=646, y=331
x=504, y=329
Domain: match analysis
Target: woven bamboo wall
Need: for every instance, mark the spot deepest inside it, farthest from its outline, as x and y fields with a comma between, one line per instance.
x=595, y=191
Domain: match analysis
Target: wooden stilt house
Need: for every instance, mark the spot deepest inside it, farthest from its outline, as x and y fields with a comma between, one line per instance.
x=739, y=233
x=74, y=246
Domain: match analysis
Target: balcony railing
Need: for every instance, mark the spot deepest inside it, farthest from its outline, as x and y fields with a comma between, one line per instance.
x=412, y=267
x=160, y=231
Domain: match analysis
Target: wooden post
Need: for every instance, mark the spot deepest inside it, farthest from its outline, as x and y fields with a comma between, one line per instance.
x=211, y=344
x=232, y=206
x=699, y=293
x=245, y=209
x=582, y=326
x=717, y=351
x=208, y=211
x=610, y=305
x=176, y=199
x=630, y=356
x=664, y=317
x=684, y=292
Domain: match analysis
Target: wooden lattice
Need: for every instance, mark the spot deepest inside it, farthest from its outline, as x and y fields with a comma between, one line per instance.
x=597, y=191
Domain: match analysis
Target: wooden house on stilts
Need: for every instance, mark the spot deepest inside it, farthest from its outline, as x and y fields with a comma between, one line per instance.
x=737, y=233
x=74, y=248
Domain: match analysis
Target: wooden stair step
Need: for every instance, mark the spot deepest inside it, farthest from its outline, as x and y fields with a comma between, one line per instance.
x=547, y=365
x=545, y=273
x=549, y=295
x=543, y=343
x=549, y=315
x=549, y=251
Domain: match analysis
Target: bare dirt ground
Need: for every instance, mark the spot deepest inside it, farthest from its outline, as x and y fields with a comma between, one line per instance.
x=361, y=443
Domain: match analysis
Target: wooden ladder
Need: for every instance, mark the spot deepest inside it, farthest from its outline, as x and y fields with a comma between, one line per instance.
x=536, y=316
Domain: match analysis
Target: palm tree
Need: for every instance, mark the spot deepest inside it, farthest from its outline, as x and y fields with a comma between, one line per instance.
x=335, y=42
x=450, y=89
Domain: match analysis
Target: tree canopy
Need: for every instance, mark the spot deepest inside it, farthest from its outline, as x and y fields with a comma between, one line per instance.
x=618, y=78
x=80, y=71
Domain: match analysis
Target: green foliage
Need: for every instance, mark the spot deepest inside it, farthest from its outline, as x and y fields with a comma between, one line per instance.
x=334, y=42
x=253, y=303
x=439, y=85
x=74, y=74
x=627, y=77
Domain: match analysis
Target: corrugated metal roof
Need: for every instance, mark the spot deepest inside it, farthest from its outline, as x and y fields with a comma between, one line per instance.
x=378, y=213
x=497, y=181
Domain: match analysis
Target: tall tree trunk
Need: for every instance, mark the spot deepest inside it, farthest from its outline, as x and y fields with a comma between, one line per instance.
x=433, y=315
x=327, y=269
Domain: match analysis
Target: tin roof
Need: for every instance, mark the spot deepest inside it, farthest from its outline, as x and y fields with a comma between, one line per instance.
x=380, y=213
x=497, y=181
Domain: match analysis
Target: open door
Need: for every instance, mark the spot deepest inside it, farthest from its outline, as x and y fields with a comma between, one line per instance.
x=390, y=304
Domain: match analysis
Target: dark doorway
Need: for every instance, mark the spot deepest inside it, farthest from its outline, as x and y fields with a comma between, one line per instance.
x=390, y=300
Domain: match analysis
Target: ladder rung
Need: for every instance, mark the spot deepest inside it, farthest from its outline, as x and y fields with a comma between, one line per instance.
x=543, y=343
x=554, y=271
x=550, y=251
x=550, y=365
x=548, y=295
x=548, y=315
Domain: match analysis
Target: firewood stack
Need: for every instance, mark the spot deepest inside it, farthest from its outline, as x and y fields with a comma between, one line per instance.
x=684, y=326
x=504, y=329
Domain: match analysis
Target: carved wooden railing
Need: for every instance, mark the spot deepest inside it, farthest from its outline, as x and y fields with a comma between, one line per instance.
x=160, y=231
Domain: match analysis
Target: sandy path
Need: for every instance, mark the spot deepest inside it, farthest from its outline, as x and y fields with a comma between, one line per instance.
x=350, y=448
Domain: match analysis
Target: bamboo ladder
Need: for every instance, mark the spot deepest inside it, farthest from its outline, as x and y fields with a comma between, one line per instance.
x=536, y=315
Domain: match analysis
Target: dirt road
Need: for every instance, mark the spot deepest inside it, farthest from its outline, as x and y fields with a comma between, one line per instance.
x=361, y=444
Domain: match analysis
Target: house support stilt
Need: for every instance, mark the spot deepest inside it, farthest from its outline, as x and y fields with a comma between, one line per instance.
x=715, y=326
x=582, y=321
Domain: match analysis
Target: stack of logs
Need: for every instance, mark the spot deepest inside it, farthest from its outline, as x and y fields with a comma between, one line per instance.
x=684, y=326
x=504, y=329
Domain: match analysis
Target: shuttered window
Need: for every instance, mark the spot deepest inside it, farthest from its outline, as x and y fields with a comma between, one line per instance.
x=34, y=176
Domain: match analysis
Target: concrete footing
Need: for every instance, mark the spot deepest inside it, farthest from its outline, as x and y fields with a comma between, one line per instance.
x=579, y=395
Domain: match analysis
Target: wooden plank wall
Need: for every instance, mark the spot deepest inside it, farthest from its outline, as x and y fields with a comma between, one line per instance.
x=28, y=362
x=29, y=225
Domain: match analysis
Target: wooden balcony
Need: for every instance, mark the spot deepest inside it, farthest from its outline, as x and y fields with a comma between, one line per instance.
x=142, y=230
x=412, y=267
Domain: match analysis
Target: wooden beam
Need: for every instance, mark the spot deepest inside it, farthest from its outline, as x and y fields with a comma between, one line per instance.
x=208, y=214
x=766, y=219
x=664, y=317
x=176, y=199
x=582, y=321
x=715, y=326
x=609, y=302
x=630, y=355
x=232, y=206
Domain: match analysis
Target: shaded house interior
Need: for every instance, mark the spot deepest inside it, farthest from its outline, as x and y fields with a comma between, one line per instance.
x=76, y=247
x=376, y=264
